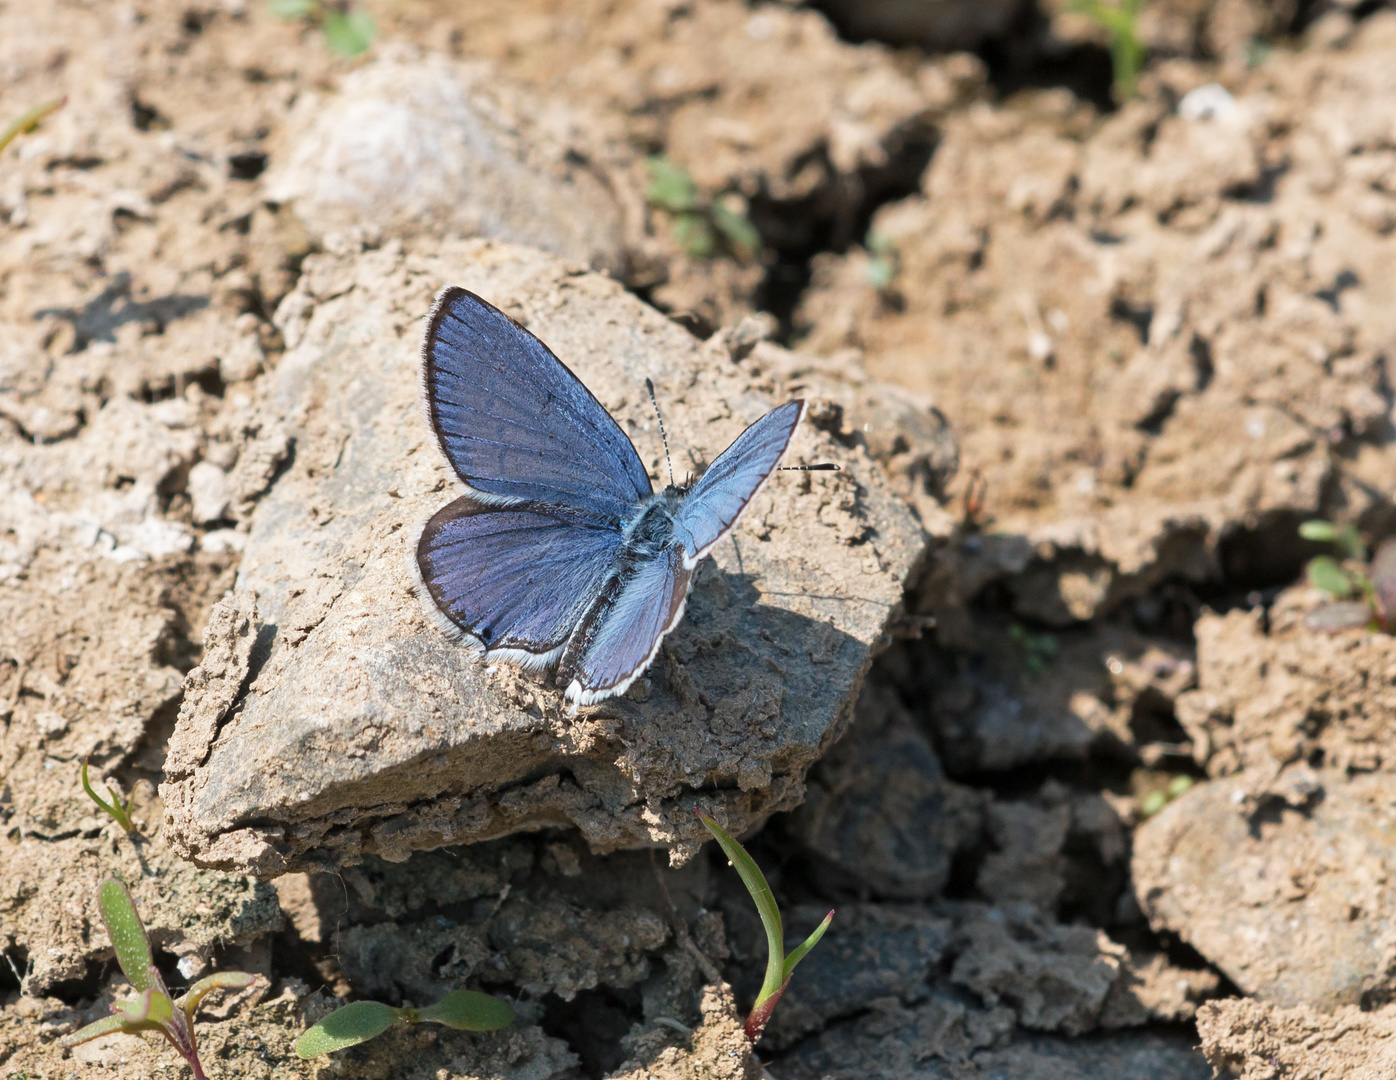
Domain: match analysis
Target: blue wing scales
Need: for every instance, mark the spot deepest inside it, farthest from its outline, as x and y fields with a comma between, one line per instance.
x=517, y=580
x=726, y=489
x=619, y=637
x=514, y=422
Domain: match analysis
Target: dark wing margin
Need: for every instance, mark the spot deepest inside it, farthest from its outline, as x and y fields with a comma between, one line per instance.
x=515, y=580
x=620, y=636
x=514, y=422
x=725, y=490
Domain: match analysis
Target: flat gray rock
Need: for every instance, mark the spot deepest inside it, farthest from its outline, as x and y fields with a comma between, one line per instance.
x=416, y=144
x=1293, y=900
x=355, y=726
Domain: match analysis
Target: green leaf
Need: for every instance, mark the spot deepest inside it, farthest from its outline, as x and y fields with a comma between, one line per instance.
x=671, y=187
x=468, y=1010
x=152, y=1007
x=694, y=235
x=219, y=980
x=127, y=934
x=765, y=901
x=741, y=234
x=1320, y=532
x=1152, y=803
x=119, y=811
x=1350, y=540
x=355, y=1023
x=293, y=9
x=1121, y=22
x=1179, y=785
x=348, y=33
x=1325, y=573
x=95, y=1030
x=809, y=943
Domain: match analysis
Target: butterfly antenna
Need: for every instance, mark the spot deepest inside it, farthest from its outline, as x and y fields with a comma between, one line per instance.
x=662, y=434
x=828, y=466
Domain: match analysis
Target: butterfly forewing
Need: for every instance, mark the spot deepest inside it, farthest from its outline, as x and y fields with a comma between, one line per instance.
x=621, y=634
x=514, y=422
x=513, y=578
x=725, y=490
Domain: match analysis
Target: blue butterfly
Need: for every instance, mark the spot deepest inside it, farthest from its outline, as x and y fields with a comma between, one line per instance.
x=561, y=552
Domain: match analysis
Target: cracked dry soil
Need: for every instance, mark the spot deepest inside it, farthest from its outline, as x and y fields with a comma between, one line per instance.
x=1087, y=368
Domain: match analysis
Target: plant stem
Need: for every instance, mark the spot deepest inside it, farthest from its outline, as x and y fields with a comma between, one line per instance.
x=30, y=120
x=761, y=1014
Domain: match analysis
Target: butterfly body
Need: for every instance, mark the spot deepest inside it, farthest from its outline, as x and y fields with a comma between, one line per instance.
x=653, y=526
x=561, y=552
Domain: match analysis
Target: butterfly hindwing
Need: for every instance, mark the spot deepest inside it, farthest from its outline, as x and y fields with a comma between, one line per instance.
x=725, y=490
x=516, y=579
x=514, y=422
x=620, y=635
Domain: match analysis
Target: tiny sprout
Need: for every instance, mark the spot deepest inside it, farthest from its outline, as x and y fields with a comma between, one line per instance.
x=1362, y=595
x=359, y=1021
x=348, y=28
x=1120, y=20
x=1039, y=650
x=1157, y=799
x=152, y=1009
x=883, y=262
x=1325, y=574
x=699, y=223
x=30, y=120
x=779, y=966
x=1348, y=539
x=119, y=811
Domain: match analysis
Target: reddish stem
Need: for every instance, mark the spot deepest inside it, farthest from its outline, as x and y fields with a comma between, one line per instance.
x=180, y=1032
x=761, y=1015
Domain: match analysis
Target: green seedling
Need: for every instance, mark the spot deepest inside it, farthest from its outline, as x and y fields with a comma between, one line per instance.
x=119, y=811
x=779, y=966
x=1120, y=21
x=1348, y=539
x=359, y=1021
x=1157, y=799
x=699, y=224
x=883, y=261
x=29, y=121
x=152, y=1009
x=348, y=27
x=1039, y=650
x=1362, y=594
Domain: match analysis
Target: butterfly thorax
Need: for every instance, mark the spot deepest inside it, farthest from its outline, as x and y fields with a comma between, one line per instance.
x=651, y=529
